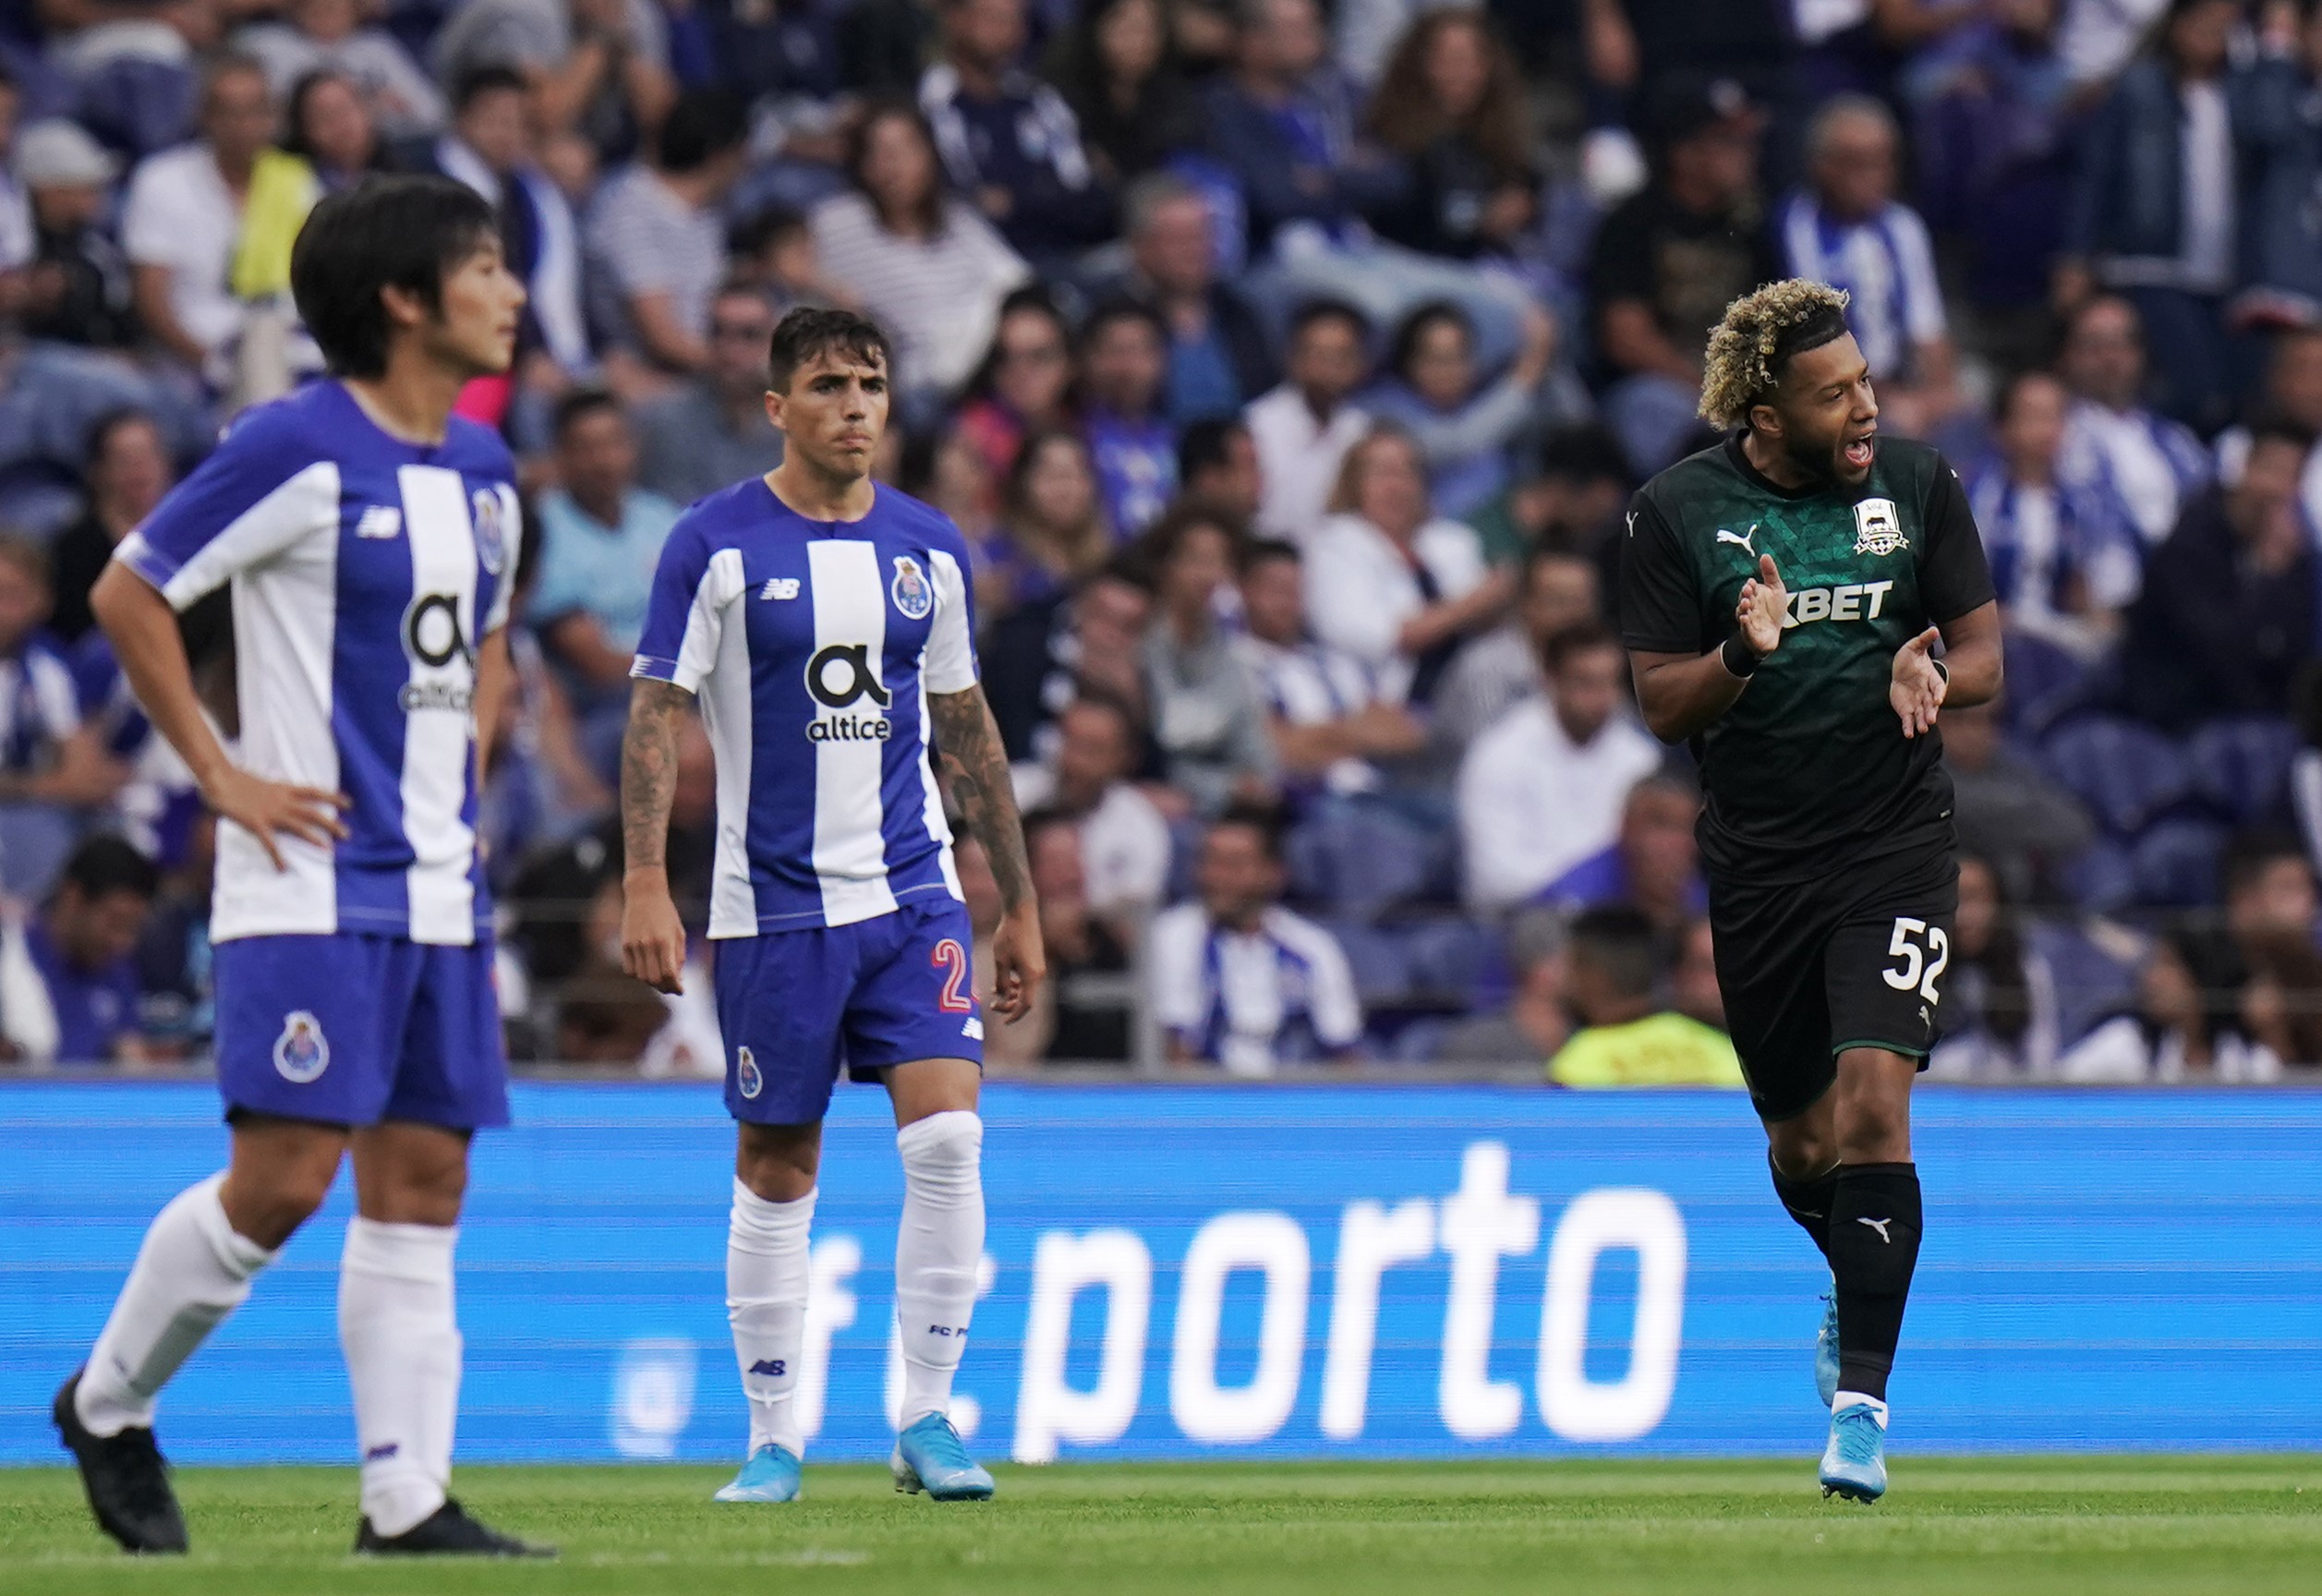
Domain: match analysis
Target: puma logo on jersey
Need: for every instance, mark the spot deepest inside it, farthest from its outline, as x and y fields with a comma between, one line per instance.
x=780, y=587
x=1856, y=601
x=1740, y=538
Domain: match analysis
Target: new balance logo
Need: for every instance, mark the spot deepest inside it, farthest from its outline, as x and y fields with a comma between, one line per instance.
x=379, y=521
x=780, y=587
x=772, y=1368
x=1741, y=538
x=380, y=1453
x=1881, y=1226
x=973, y=1029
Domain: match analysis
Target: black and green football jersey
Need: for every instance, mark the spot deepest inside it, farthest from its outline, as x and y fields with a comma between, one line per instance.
x=1809, y=766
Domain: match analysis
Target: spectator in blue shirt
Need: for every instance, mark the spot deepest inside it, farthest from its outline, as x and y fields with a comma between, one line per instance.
x=1464, y=427
x=1009, y=142
x=1220, y=359
x=68, y=990
x=601, y=537
x=1124, y=364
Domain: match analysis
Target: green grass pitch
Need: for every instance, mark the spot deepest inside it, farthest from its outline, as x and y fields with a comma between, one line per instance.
x=1981, y=1527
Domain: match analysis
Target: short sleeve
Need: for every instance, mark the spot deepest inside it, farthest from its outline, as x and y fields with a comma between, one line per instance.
x=684, y=619
x=511, y=555
x=1660, y=605
x=258, y=495
x=1337, y=1011
x=949, y=665
x=151, y=231
x=1953, y=576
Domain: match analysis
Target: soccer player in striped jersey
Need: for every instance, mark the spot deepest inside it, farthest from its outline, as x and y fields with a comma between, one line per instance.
x=822, y=620
x=370, y=539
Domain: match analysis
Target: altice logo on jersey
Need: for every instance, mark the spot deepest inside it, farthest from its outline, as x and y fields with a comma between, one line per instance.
x=838, y=677
x=433, y=637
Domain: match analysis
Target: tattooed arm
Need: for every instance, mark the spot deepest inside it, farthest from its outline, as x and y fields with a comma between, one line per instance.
x=975, y=772
x=652, y=937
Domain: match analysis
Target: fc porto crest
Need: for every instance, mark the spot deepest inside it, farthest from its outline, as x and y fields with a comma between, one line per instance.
x=491, y=531
x=914, y=596
x=745, y=1072
x=301, y=1052
x=1879, y=527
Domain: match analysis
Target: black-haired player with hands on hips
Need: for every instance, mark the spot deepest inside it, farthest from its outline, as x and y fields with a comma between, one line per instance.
x=1782, y=595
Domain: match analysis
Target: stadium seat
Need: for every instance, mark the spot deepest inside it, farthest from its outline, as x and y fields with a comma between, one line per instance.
x=2241, y=768
x=2092, y=982
x=138, y=105
x=2045, y=683
x=2176, y=863
x=2103, y=879
x=1357, y=861
x=1448, y=960
x=2128, y=774
x=1381, y=974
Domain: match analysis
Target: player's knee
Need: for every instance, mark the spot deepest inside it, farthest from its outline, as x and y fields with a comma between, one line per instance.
x=778, y=1163
x=1874, y=1129
x=267, y=1205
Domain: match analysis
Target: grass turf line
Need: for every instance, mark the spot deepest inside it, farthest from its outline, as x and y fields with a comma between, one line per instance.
x=2249, y=1526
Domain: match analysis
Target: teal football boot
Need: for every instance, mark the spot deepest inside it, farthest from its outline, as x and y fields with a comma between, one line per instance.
x=1855, y=1463
x=930, y=1456
x=770, y=1475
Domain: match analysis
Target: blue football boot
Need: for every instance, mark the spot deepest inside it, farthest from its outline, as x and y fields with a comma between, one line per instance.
x=1855, y=1463
x=930, y=1456
x=1826, y=1350
x=770, y=1475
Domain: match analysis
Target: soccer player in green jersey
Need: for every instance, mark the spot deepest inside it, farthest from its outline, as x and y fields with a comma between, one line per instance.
x=1782, y=597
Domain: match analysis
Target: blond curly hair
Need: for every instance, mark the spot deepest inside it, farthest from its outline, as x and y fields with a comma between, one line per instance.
x=1738, y=369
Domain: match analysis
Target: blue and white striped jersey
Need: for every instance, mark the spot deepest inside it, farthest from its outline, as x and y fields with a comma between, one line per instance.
x=812, y=645
x=365, y=571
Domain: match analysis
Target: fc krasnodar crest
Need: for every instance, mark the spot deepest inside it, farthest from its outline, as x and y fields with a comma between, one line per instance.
x=1879, y=527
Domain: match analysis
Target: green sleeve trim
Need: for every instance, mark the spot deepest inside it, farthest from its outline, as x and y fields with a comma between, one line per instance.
x=1838, y=1047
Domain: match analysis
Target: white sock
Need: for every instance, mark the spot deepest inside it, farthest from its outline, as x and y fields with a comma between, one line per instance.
x=190, y=1273
x=1845, y=1400
x=402, y=1339
x=769, y=1263
x=936, y=1251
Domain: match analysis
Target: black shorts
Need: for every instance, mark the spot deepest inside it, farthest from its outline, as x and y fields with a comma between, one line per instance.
x=1855, y=957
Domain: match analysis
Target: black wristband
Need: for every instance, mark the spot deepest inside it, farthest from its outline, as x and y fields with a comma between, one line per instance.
x=1739, y=658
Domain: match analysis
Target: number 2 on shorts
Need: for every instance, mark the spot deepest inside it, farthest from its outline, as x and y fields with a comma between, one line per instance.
x=950, y=955
x=1920, y=966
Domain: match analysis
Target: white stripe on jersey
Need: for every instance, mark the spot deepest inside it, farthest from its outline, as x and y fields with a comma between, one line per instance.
x=286, y=626
x=715, y=659
x=436, y=746
x=849, y=846
x=949, y=658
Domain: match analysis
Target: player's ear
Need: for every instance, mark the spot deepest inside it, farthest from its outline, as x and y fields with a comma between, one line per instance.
x=1762, y=417
x=774, y=410
x=404, y=308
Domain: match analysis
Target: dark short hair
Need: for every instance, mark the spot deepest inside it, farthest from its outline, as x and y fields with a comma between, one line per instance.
x=1088, y=696
x=1548, y=552
x=1619, y=941
x=1586, y=452
x=1580, y=637
x=1262, y=818
x=479, y=81
x=761, y=227
x=2012, y=390
x=1113, y=310
x=1316, y=311
x=2275, y=427
x=1044, y=819
x=806, y=333
x=1203, y=444
x=105, y=863
x=577, y=406
x=99, y=436
x=28, y=557
x=1168, y=534
x=702, y=126
x=403, y=232
x=1261, y=550
x=2250, y=851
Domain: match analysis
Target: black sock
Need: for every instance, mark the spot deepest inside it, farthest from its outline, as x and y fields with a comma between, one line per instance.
x=1874, y=1244
x=1808, y=1201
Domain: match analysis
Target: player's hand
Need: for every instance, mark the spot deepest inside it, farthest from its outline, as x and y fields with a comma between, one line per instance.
x=1019, y=962
x=270, y=809
x=652, y=937
x=1765, y=604
x=1917, y=688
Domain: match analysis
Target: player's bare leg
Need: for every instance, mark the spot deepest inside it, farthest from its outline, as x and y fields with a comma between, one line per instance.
x=768, y=1264
x=1861, y=1131
x=937, y=1254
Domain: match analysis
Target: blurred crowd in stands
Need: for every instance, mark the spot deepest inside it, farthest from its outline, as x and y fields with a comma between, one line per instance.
x=1289, y=367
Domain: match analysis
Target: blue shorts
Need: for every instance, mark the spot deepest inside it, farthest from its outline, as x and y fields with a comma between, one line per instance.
x=797, y=1007
x=351, y=1029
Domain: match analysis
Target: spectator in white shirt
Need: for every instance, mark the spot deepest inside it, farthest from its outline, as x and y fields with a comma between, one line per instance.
x=656, y=235
x=2151, y=465
x=183, y=217
x=316, y=35
x=1542, y=790
x=1328, y=723
x=1238, y=980
x=1304, y=427
x=925, y=264
x=1847, y=228
x=1124, y=840
x=1392, y=583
